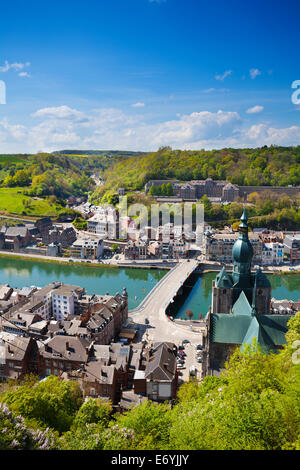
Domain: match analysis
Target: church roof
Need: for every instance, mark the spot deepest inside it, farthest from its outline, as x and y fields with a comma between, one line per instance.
x=223, y=279
x=242, y=306
x=256, y=334
x=261, y=279
x=268, y=330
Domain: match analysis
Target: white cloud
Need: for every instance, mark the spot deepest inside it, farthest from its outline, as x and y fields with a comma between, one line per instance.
x=216, y=90
x=24, y=74
x=138, y=105
x=255, y=110
x=13, y=131
x=59, y=112
x=65, y=127
x=14, y=66
x=224, y=75
x=261, y=134
x=254, y=73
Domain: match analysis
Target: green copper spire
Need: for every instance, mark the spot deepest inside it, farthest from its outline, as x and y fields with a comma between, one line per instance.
x=242, y=254
x=244, y=219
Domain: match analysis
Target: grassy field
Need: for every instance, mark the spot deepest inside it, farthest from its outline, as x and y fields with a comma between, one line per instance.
x=13, y=201
x=13, y=158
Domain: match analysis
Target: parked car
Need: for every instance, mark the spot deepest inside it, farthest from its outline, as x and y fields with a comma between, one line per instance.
x=146, y=321
x=198, y=346
x=184, y=341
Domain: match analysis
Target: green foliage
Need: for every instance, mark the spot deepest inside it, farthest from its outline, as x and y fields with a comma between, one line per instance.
x=267, y=166
x=80, y=223
x=50, y=403
x=253, y=405
x=16, y=435
x=150, y=423
x=93, y=411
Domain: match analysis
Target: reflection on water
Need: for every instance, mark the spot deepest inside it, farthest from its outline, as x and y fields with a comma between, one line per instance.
x=10, y=272
x=139, y=282
x=198, y=299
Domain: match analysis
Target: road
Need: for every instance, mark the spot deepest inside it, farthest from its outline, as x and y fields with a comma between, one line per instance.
x=160, y=328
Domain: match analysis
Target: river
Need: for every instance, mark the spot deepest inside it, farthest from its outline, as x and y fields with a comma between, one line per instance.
x=139, y=282
x=198, y=297
x=96, y=280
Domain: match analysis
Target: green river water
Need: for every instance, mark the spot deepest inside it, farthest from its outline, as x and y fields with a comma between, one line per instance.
x=139, y=282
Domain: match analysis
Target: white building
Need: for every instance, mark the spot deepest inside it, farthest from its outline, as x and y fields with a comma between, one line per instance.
x=62, y=303
x=104, y=223
x=272, y=253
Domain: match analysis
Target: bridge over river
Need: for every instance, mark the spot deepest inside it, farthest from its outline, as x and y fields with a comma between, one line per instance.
x=153, y=307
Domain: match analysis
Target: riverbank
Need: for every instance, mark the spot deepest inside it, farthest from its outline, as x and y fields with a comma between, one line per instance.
x=52, y=260
x=88, y=263
x=209, y=268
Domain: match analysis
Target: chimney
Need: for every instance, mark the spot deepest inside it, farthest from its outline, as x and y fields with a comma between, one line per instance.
x=67, y=345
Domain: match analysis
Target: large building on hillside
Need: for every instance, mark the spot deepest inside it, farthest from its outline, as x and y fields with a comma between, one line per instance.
x=241, y=308
x=195, y=189
x=221, y=190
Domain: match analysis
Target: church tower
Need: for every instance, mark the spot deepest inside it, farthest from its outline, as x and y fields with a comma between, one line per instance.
x=242, y=254
x=241, y=289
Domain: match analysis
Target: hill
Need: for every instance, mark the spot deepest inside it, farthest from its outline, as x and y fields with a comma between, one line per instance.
x=265, y=166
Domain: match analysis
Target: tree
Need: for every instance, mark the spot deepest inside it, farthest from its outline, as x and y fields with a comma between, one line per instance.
x=189, y=314
x=164, y=189
x=169, y=190
x=93, y=411
x=16, y=435
x=52, y=402
x=22, y=178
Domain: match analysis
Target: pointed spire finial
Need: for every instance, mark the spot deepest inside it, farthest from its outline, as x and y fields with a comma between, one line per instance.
x=244, y=219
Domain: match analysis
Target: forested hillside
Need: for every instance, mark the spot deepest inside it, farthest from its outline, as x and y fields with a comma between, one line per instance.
x=267, y=166
x=54, y=174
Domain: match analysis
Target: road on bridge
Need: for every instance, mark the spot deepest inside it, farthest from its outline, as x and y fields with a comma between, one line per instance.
x=153, y=308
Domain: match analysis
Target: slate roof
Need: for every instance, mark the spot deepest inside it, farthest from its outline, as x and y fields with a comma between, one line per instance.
x=12, y=347
x=242, y=306
x=223, y=279
x=77, y=348
x=16, y=231
x=162, y=364
x=268, y=330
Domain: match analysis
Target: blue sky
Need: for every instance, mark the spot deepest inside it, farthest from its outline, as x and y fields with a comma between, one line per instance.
x=138, y=74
